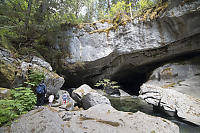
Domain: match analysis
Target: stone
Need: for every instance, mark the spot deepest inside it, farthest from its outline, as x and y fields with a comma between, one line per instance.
x=123, y=93
x=59, y=102
x=41, y=63
x=52, y=80
x=185, y=106
x=103, y=118
x=91, y=99
x=78, y=93
x=44, y=120
x=5, y=93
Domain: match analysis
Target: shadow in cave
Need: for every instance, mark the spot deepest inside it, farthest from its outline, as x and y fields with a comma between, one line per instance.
x=132, y=81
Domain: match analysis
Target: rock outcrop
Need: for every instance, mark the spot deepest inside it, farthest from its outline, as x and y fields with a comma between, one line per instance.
x=134, y=46
x=175, y=87
x=98, y=119
x=104, y=118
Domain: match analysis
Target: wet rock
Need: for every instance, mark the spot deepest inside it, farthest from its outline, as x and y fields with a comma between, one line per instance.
x=104, y=118
x=91, y=99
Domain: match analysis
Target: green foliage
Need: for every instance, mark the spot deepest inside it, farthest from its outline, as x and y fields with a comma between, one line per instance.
x=35, y=77
x=23, y=100
x=119, y=7
x=107, y=83
x=143, y=4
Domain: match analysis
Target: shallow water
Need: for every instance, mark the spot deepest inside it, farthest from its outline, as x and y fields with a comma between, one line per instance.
x=134, y=104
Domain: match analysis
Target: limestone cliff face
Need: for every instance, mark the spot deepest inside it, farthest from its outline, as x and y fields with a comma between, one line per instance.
x=137, y=44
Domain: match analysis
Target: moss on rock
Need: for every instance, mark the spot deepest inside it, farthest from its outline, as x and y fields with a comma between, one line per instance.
x=7, y=73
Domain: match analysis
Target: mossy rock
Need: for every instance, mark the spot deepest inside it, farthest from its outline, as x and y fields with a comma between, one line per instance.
x=7, y=74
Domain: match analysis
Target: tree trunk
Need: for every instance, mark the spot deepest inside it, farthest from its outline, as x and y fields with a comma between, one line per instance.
x=28, y=13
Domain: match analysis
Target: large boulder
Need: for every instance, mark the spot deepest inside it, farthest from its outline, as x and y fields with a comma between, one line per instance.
x=41, y=63
x=91, y=99
x=170, y=100
x=38, y=121
x=8, y=68
x=103, y=118
x=78, y=93
x=52, y=80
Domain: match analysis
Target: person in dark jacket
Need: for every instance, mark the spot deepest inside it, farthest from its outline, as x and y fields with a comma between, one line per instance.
x=41, y=91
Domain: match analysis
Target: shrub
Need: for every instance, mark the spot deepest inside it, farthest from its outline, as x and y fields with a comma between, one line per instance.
x=107, y=83
x=35, y=77
x=23, y=100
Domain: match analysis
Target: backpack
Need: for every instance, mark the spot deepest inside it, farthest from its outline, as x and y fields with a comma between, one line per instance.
x=40, y=89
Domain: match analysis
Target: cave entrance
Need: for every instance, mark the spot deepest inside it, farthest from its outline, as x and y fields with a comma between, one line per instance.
x=131, y=79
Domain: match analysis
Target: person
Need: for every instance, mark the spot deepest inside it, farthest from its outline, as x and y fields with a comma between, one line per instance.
x=64, y=97
x=41, y=92
x=51, y=97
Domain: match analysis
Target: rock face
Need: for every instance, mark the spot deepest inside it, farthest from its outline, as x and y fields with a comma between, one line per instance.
x=135, y=45
x=175, y=87
x=104, y=118
x=91, y=99
x=98, y=119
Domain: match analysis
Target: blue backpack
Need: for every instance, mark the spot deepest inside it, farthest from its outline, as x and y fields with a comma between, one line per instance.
x=40, y=89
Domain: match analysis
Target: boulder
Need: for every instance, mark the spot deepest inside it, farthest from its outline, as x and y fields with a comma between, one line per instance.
x=8, y=68
x=123, y=93
x=78, y=93
x=91, y=99
x=41, y=63
x=52, y=80
x=44, y=120
x=103, y=118
x=59, y=102
x=185, y=106
x=5, y=93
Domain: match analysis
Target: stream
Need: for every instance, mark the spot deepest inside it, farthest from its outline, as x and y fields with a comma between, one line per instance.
x=134, y=104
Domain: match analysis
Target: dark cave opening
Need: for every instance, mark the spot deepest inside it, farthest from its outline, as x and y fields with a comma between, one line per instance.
x=131, y=80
